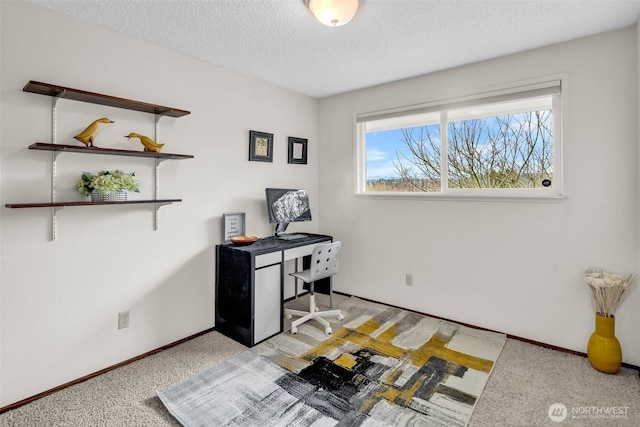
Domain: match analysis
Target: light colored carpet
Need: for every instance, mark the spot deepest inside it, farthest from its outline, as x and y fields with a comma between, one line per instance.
x=525, y=382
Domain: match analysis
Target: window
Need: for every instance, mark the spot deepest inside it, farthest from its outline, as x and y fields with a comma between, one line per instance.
x=504, y=143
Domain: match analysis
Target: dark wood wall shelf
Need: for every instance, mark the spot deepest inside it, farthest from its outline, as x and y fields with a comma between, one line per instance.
x=97, y=98
x=109, y=151
x=61, y=92
x=65, y=204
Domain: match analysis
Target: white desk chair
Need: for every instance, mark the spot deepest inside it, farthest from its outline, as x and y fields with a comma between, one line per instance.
x=324, y=263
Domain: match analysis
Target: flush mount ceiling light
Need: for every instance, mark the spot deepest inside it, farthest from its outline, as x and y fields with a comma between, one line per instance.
x=333, y=12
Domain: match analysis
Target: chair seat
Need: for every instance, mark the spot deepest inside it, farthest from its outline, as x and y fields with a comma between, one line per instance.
x=305, y=275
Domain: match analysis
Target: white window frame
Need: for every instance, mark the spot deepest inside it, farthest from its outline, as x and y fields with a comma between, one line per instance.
x=554, y=86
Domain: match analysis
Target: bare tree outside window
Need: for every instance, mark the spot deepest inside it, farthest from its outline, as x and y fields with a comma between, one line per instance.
x=505, y=151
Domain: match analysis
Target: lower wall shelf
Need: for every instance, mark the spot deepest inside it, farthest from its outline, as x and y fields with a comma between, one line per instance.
x=56, y=206
x=65, y=204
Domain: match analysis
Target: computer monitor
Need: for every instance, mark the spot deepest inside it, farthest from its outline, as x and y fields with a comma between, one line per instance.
x=287, y=205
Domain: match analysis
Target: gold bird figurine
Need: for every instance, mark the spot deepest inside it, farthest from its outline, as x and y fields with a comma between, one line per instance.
x=149, y=144
x=88, y=135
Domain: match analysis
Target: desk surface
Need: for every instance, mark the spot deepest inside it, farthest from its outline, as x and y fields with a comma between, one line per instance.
x=272, y=243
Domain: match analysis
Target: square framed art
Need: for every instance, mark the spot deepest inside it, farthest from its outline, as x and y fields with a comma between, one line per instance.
x=297, y=150
x=260, y=146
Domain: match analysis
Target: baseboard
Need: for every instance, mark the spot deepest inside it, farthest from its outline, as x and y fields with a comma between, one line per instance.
x=100, y=372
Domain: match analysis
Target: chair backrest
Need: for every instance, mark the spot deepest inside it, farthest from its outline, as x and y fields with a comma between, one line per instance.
x=324, y=260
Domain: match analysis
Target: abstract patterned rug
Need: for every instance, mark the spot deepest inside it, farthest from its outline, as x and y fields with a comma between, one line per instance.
x=382, y=366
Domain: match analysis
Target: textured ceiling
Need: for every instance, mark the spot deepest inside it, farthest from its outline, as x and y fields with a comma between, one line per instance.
x=280, y=42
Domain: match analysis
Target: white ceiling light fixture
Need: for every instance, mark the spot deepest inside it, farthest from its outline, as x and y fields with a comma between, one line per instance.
x=333, y=12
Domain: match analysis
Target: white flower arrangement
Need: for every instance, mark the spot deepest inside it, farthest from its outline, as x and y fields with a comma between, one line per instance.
x=608, y=290
x=107, y=182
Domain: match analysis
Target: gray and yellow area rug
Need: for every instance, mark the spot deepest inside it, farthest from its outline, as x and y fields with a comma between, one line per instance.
x=382, y=366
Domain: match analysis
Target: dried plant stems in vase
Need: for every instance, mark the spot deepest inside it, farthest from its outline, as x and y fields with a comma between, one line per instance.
x=608, y=292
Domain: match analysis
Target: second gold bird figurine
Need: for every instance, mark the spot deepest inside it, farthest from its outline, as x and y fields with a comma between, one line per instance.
x=88, y=135
x=149, y=144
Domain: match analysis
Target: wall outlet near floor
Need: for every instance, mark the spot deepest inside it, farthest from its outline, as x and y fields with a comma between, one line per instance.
x=123, y=320
x=408, y=280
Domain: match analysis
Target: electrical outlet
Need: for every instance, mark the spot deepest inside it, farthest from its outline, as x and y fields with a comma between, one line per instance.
x=123, y=320
x=408, y=279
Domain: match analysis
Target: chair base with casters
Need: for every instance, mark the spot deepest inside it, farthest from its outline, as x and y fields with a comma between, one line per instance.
x=314, y=314
x=324, y=263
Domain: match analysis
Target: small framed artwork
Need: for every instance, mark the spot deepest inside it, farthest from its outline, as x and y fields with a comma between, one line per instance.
x=233, y=224
x=297, y=150
x=260, y=146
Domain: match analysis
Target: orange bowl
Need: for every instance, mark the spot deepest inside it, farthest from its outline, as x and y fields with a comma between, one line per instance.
x=243, y=240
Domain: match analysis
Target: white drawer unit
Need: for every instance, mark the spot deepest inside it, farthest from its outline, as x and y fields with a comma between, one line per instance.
x=268, y=259
x=268, y=302
x=298, y=252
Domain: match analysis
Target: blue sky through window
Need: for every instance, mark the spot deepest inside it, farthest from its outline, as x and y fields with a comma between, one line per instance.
x=383, y=148
x=381, y=153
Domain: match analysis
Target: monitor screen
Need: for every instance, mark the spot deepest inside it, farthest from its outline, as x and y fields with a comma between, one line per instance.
x=287, y=205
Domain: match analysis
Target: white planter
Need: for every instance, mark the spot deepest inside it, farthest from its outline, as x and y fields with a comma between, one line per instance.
x=118, y=196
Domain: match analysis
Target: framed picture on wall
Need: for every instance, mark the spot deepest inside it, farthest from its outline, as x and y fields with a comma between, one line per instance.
x=297, y=150
x=233, y=225
x=260, y=146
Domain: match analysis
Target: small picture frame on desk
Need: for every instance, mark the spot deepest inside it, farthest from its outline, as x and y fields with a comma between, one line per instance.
x=233, y=225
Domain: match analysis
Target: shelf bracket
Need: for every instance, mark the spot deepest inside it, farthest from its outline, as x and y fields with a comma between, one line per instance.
x=54, y=154
x=156, y=179
x=158, y=116
x=54, y=157
x=156, y=128
x=156, y=218
x=158, y=205
x=54, y=213
x=54, y=102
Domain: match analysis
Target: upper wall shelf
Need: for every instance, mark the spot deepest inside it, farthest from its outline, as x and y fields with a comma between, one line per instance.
x=109, y=151
x=97, y=98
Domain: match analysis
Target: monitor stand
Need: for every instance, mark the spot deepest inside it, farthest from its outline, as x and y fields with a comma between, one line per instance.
x=280, y=232
x=280, y=228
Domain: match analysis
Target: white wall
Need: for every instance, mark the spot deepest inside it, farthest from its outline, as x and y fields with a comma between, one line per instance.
x=59, y=299
x=514, y=267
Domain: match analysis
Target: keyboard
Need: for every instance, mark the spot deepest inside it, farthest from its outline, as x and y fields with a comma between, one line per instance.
x=292, y=236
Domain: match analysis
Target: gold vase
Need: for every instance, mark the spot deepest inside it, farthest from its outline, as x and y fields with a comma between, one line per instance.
x=604, y=351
